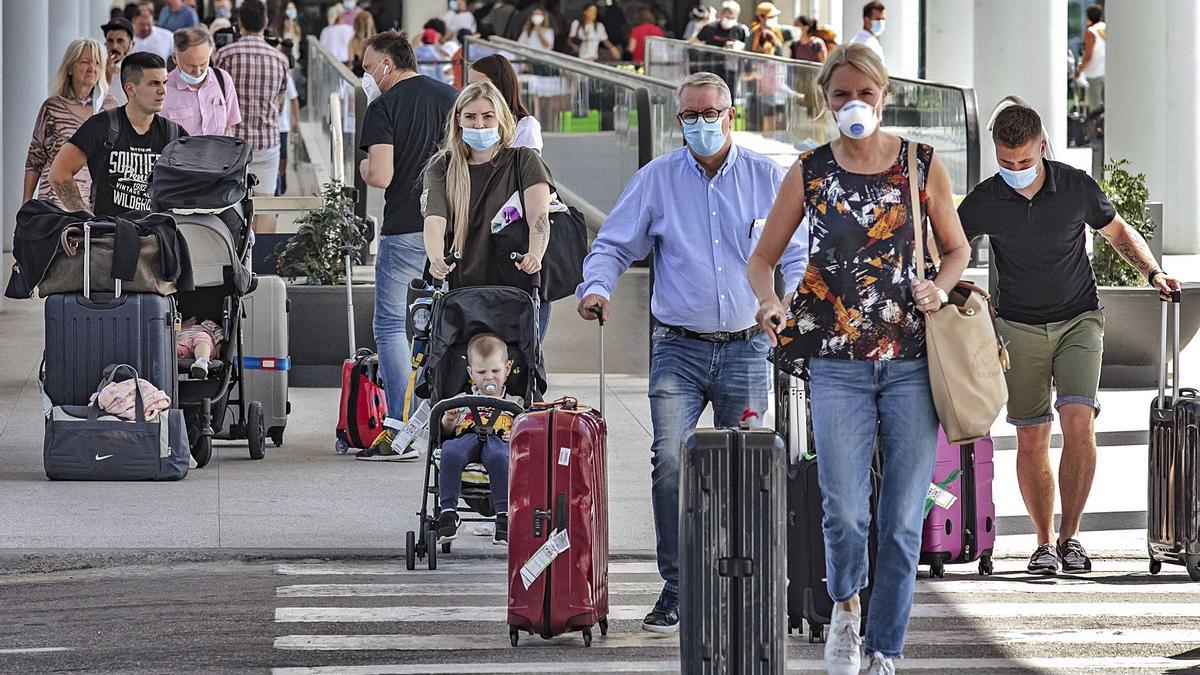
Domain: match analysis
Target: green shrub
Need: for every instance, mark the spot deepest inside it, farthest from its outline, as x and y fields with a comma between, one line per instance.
x=318, y=249
x=1129, y=195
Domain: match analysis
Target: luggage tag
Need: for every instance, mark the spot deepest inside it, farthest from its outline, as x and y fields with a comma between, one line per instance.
x=938, y=495
x=541, y=559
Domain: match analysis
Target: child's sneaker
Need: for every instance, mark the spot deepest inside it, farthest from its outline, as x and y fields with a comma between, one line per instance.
x=448, y=523
x=501, y=537
x=199, y=369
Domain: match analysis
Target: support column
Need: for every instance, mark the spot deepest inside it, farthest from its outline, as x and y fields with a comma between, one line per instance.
x=26, y=32
x=1181, y=199
x=949, y=42
x=62, y=29
x=98, y=16
x=1021, y=48
x=417, y=12
x=851, y=11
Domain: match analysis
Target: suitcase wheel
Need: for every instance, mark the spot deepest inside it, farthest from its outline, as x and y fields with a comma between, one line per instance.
x=514, y=635
x=276, y=435
x=1193, y=567
x=1155, y=566
x=604, y=626
x=341, y=446
x=446, y=547
x=937, y=570
x=202, y=451
x=816, y=633
x=587, y=637
x=985, y=565
x=410, y=547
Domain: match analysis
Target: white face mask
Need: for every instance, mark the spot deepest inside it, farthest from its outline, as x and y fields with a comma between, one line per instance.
x=371, y=87
x=537, y=19
x=728, y=24
x=192, y=80
x=856, y=119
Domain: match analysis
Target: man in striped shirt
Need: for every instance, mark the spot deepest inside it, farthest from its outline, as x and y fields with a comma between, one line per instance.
x=260, y=75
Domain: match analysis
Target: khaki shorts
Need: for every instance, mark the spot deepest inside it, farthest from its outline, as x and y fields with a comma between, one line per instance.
x=1064, y=354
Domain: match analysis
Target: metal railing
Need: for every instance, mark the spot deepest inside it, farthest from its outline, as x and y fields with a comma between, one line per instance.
x=337, y=103
x=781, y=105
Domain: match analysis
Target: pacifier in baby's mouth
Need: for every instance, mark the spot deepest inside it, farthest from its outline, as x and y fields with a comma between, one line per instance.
x=490, y=388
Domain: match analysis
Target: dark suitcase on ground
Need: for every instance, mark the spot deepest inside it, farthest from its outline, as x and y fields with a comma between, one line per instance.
x=200, y=172
x=1173, y=514
x=85, y=334
x=558, y=520
x=960, y=519
x=807, y=594
x=732, y=552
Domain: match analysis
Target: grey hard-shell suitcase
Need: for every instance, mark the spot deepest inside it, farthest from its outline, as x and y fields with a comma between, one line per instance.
x=265, y=361
x=732, y=576
x=87, y=332
x=1173, y=513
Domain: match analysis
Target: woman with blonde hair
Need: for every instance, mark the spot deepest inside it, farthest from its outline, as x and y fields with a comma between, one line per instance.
x=80, y=91
x=471, y=191
x=858, y=319
x=336, y=36
x=364, y=28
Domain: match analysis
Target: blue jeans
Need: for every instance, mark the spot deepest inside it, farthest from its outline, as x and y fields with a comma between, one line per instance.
x=685, y=376
x=457, y=453
x=401, y=259
x=851, y=402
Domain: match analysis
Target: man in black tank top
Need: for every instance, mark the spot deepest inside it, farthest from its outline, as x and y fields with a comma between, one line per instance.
x=1037, y=214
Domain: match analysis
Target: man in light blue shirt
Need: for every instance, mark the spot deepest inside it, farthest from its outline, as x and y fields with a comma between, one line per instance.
x=700, y=209
x=177, y=14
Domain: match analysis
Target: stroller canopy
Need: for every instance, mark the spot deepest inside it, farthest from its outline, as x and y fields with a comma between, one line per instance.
x=219, y=258
x=461, y=314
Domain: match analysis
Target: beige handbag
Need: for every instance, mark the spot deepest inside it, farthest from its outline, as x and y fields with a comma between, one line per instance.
x=967, y=360
x=65, y=273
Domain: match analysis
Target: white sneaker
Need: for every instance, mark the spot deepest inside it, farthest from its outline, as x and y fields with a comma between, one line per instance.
x=843, y=645
x=881, y=665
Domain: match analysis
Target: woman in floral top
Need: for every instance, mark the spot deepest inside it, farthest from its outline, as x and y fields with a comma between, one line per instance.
x=857, y=319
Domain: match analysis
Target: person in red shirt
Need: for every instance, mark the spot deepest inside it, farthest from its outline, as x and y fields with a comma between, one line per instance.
x=637, y=37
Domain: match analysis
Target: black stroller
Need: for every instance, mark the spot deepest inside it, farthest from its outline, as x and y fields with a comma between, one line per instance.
x=457, y=316
x=204, y=182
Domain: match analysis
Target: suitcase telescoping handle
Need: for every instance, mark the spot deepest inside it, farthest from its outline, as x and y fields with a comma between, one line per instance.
x=349, y=251
x=595, y=309
x=87, y=266
x=1173, y=301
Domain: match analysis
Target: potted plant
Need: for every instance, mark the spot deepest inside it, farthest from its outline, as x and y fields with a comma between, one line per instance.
x=314, y=262
x=1131, y=309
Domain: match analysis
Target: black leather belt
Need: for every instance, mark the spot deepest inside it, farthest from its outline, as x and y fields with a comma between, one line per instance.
x=722, y=336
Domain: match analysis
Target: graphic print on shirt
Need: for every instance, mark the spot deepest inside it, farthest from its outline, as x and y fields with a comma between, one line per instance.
x=129, y=176
x=856, y=301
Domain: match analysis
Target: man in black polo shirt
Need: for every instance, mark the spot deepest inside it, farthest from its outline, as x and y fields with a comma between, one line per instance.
x=1037, y=214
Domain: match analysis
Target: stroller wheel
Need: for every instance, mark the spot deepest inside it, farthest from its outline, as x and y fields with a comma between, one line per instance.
x=202, y=451
x=341, y=446
x=431, y=548
x=410, y=550
x=256, y=435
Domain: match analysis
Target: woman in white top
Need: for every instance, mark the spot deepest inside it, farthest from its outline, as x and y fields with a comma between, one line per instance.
x=538, y=33
x=1090, y=72
x=499, y=71
x=588, y=35
x=336, y=36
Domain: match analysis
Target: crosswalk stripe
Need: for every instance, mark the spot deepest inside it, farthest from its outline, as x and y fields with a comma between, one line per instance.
x=423, y=614
x=465, y=589
x=36, y=650
x=462, y=566
x=1045, y=665
x=1058, y=585
x=1091, y=610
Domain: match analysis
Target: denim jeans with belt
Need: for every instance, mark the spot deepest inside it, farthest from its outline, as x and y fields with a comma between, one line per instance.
x=687, y=374
x=852, y=401
x=400, y=259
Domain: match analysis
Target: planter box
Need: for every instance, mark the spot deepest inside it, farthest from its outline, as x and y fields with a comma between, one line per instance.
x=1131, y=334
x=317, y=331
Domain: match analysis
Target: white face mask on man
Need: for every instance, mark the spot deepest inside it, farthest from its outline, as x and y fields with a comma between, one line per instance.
x=371, y=87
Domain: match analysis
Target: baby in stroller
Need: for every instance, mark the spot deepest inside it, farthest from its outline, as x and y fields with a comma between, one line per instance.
x=198, y=340
x=488, y=368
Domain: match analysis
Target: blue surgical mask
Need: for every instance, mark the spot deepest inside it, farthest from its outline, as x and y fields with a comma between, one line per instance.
x=877, y=27
x=1019, y=180
x=192, y=80
x=705, y=138
x=222, y=12
x=481, y=140
x=292, y=13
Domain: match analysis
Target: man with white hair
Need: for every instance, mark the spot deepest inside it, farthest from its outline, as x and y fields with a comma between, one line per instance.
x=727, y=31
x=700, y=209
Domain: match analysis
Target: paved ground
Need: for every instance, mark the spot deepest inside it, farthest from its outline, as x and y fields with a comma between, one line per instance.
x=333, y=616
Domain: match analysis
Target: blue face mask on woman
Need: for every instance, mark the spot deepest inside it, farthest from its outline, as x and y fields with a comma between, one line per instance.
x=481, y=140
x=705, y=138
x=1019, y=180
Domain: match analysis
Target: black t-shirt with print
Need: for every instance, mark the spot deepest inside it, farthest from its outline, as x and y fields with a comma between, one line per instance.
x=714, y=35
x=121, y=174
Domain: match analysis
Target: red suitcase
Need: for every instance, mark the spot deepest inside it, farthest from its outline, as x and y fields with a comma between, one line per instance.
x=558, y=520
x=363, y=404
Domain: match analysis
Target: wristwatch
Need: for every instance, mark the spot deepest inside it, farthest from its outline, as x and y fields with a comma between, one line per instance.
x=1153, y=273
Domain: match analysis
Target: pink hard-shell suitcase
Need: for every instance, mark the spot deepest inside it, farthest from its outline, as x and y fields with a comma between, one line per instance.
x=965, y=530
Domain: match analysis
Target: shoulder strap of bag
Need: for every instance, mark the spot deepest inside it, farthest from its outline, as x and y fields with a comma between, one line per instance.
x=220, y=81
x=914, y=191
x=520, y=183
x=114, y=128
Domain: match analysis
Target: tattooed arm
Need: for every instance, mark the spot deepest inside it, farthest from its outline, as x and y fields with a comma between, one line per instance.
x=1134, y=249
x=62, y=177
x=537, y=214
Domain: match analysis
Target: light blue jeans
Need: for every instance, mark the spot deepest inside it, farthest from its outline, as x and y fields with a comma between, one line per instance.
x=851, y=402
x=400, y=259
x=685, y=376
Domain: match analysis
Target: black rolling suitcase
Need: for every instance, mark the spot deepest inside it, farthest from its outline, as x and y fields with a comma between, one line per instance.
x=85, y=334
x=807, y=594
x=732, y=552
x=1173, y=517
